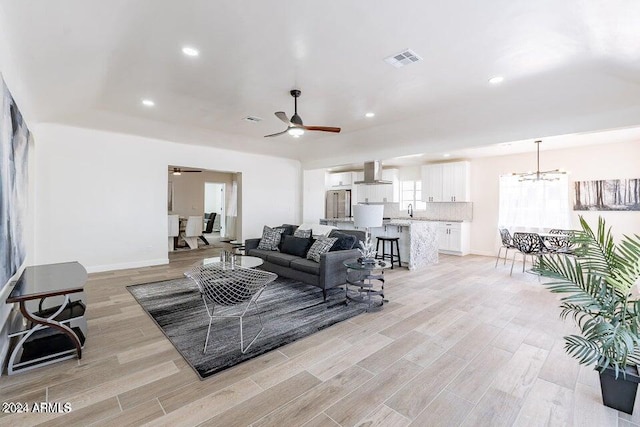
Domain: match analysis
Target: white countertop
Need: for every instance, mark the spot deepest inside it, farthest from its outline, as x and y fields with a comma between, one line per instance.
x=396, y=221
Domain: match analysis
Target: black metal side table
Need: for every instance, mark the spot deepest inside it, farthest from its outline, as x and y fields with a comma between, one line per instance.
x=364, y=281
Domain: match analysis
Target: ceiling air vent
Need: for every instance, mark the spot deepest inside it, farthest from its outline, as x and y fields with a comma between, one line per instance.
x=252, y=119
x=403, y=58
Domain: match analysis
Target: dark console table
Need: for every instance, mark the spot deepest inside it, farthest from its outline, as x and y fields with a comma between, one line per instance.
x=51, y=334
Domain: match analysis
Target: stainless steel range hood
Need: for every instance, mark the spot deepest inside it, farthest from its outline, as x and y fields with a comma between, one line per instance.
x=373, y=174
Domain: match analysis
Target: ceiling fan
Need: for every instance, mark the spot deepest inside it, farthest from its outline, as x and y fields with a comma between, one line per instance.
x=179, y=171
x=295, y=127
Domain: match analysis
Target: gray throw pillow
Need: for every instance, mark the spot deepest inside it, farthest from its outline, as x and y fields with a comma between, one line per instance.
x=305, y=234
x=319, y=247
x=344, y=242
x=270, y=238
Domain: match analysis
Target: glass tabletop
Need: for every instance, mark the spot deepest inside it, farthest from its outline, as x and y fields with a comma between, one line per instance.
x=241, y=261
x=354, y=264
x=48, y=280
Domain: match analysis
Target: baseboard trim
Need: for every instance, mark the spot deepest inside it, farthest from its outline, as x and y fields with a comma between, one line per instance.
x=483, y=253
x=126, y=265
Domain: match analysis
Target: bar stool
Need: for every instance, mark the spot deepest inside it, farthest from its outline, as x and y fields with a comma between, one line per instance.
x=391, y=257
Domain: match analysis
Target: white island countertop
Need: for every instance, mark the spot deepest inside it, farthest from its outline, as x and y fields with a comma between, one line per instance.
x=418, y=238
x=392, y=221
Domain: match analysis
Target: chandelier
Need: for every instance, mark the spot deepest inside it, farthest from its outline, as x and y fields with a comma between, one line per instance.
x=538, y=175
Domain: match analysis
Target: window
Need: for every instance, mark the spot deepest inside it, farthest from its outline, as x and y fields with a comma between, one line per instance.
x=411, y=192
x=534, y=204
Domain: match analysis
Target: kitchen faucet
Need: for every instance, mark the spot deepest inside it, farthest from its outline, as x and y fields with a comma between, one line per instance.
x=410, y=210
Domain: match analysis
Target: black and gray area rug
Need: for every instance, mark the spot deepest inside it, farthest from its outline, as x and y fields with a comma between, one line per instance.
x=290, y=310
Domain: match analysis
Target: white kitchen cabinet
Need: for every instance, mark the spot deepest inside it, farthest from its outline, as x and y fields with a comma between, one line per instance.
x=454, y=238
x=446, y=182
x=356, y=190
x=340, y=180
x=432, y=183
x=456, y=181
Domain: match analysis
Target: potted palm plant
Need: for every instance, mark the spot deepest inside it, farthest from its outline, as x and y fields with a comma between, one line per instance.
x=601, y=282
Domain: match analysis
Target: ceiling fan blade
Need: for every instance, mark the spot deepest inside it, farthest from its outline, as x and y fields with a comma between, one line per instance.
x=277, y=134
x=322, y=128
x=282, y=116
x=191, y=171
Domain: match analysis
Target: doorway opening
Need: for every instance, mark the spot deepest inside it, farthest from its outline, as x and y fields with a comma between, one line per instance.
x=194, y=197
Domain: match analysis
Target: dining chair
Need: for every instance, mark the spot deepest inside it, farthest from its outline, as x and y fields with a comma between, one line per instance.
x=507, y=243
x=225, y=286
x=561, y=231
x=174, y=230
x=193, y=231
x=528, y=244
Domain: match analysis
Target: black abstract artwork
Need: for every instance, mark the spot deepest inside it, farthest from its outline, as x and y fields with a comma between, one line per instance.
x=14, y=145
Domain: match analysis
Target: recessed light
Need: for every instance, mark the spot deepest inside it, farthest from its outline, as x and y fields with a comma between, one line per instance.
x=446, y=155
x=148, y=103
x=370, y=115
x=190, y=51
x=496, y=80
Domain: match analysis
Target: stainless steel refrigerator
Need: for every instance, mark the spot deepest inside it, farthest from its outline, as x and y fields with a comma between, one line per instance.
x=338, y=204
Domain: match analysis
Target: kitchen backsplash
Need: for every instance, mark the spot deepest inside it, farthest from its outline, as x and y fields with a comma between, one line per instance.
x=444, y=211
x=447, y=211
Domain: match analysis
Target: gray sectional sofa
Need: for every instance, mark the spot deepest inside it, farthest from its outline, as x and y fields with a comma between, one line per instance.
x=328, y=273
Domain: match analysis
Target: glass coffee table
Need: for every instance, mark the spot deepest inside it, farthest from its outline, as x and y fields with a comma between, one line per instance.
x=365, y=282
x=241, y=261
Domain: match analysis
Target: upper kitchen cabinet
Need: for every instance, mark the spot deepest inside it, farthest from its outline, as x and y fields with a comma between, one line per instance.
x=432, y=183
x=446, y=182
x=342, y=180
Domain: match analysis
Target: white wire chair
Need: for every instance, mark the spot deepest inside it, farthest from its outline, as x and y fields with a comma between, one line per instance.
x=223, y=284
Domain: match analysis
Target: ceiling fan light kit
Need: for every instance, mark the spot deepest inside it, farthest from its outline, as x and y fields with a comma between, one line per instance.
x=295, y=126
x=538, y=175
x=295, y=132
x=179, y=171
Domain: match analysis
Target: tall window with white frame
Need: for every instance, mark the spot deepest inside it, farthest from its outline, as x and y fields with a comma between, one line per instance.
x=411, y=192
x=533, y=205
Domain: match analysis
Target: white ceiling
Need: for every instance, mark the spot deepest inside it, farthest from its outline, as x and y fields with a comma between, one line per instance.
x=570, y=67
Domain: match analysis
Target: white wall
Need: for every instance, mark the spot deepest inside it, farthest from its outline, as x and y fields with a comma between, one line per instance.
x=593, y=162
x=101, y=196
x=313, y=195
x=188, y=190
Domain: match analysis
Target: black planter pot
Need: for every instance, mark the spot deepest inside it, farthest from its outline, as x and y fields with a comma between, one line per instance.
x=619, y=393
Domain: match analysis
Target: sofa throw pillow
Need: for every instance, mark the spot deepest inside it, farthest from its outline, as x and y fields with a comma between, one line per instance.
x=344, y=242
x=319, y=247
x=297, y=246
x=306, y=234
x=288, y=229
x=270, y=238
x=320, y=230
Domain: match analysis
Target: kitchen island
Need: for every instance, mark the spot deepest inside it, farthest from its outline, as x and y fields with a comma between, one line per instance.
x=418, y=239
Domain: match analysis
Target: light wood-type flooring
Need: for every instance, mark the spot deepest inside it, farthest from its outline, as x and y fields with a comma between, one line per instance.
x=460, y=343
